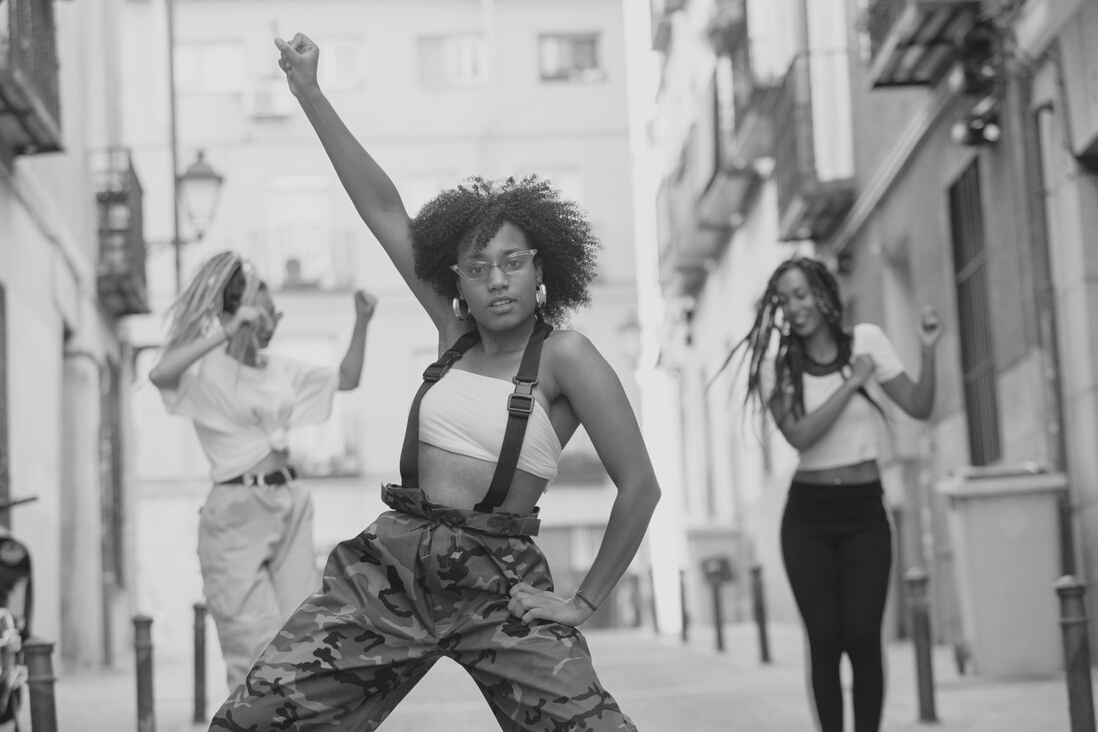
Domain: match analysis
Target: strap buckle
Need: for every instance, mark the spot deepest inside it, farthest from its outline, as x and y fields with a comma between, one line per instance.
x=435, y=371
x=520, y=404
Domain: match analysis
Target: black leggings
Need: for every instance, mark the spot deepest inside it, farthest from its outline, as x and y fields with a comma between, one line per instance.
x=837, y=547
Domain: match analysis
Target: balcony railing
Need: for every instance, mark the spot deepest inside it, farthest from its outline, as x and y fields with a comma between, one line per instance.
x=815, y=186
x=305, y=256
x=30, y=106
x=661, y=22
x=122, y=283
x=706, y=198
x=913, y=42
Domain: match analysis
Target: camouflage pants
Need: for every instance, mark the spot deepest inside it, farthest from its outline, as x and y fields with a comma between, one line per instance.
x=422, y=582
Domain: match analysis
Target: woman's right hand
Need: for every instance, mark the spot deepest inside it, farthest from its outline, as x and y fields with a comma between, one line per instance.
x=299, y=61
x=862, y=369
x=245, y=316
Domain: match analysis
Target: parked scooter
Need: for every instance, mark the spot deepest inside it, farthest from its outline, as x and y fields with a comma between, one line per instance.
x=16, y=606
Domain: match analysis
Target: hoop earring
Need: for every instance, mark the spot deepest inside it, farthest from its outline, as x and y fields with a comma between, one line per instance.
x=461, y=310
x=541, y=295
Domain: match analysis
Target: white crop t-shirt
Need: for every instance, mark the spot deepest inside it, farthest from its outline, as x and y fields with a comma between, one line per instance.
x=242, y=413
x=853, y=437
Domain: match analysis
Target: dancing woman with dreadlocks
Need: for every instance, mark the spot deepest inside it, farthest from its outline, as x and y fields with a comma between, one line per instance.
x=255, y=534
x=836, y=537
x=452, y=570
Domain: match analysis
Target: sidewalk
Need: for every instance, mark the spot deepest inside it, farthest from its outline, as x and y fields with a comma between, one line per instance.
x=663, y=685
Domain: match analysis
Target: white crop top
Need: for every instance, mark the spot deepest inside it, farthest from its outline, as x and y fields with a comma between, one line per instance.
x=853, y=437
x=466, y=413
x=242, y=413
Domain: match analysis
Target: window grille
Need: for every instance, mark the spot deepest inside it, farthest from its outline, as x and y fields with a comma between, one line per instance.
x=970, y=258
x=570, y=58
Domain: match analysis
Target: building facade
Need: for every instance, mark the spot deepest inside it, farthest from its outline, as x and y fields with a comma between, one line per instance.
x=933, y=154
x=71, y=268
x=436, y=91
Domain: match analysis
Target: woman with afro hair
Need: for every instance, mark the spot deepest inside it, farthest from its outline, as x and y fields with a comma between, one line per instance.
x=836, y=537
x=452, y=569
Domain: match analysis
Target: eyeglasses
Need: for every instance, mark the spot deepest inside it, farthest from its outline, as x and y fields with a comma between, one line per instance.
x=478, y=270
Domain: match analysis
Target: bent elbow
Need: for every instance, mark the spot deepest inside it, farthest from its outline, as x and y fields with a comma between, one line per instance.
x=158, y=379
x=652, y=495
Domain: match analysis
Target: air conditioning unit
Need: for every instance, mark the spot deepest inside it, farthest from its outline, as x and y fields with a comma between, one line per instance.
x=269, y=99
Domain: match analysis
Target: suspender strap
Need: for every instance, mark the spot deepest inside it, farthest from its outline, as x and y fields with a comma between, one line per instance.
x=409, y=453
x=520, y=405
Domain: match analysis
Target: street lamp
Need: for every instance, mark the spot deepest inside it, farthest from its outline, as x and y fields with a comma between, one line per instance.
x=199, y=189
x=196, y=195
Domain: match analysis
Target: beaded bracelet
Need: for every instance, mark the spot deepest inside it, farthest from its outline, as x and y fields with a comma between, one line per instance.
x=585, y=601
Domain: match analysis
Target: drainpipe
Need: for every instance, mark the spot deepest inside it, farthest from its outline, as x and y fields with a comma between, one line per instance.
x=1024, y=119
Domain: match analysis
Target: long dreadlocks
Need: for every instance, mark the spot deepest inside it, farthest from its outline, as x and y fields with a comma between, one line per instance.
x=789, y=363
x=222, y=284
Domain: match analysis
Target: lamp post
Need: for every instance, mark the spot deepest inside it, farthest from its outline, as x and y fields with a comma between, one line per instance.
x=198, y=188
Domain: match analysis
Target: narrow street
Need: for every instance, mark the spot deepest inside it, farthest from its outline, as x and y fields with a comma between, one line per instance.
x=663, y=685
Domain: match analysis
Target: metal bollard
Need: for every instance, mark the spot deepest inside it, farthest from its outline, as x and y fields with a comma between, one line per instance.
x=143, y=654
x=718, y=614
x=918, y=605
x=758, y=604
x=199, y=662
x=682, y=606
x=40, y=678
x=1073, y=624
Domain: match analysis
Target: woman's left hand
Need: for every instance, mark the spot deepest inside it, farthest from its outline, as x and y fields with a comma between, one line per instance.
x=930, y=328
x=528, y=604
x=365, y=304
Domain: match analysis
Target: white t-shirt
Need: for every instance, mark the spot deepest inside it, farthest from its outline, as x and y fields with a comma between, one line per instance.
x=242, y=413
x=852, y=437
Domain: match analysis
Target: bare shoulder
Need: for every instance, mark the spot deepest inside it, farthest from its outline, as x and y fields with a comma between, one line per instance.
x=569, y=348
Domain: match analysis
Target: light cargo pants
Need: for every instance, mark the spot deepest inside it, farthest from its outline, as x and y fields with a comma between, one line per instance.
x=255, y=546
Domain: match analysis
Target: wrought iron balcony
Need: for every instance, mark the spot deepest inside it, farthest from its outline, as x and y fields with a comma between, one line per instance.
x=815, y=183
x=661, y=22
x=749, y=96
x=727, y=26
x=913, y=42
x=30, y=105
x=122, y=283
x=704, y=201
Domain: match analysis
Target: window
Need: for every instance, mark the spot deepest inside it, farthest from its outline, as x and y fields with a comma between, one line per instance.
x=570, y=58
x=343, y=65
x=447, y=62
x=298, y=247
x=209, y=68
x=970, y=259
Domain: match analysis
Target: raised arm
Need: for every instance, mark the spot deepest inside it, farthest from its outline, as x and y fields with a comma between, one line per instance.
x=350, y=369
x=171, y=366
x=372, y=192
x=600, y=402
x=917, y=398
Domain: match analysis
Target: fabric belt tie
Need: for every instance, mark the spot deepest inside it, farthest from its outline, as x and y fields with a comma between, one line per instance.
x=413, y=502
x=275, y=477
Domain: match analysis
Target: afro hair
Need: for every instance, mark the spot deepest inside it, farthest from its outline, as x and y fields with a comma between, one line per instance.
x=473, y=212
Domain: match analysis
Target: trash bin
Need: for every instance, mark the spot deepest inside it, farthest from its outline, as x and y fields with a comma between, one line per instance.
x=1005, y=530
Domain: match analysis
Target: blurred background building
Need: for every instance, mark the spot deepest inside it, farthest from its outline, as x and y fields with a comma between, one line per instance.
x=71, y=267
x=933, y=153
